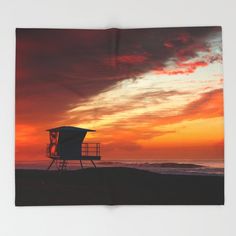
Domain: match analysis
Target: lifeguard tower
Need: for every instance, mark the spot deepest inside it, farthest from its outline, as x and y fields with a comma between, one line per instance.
x=66, y=144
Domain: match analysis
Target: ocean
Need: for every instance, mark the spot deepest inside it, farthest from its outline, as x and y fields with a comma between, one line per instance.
x=180, y=167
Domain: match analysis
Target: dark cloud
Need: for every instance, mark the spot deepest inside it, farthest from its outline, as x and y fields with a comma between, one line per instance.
x=57, y=67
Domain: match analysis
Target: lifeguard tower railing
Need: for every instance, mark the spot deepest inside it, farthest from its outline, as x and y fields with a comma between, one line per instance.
x=88, y=151
x=91, y=150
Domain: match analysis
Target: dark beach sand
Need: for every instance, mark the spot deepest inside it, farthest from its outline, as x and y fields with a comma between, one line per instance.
x=122, y=186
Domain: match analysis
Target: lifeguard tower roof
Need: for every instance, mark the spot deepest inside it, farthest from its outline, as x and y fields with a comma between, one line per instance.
x=70, y=128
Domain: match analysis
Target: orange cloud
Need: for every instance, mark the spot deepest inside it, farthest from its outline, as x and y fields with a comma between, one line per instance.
x=209, y=105
x=125, y=59
x=182, y=68
x=194, y=133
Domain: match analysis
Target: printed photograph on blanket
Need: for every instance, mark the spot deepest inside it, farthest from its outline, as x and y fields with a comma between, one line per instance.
x=119, y=117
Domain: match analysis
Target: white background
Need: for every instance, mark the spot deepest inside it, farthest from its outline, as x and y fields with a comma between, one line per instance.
x=117, y=220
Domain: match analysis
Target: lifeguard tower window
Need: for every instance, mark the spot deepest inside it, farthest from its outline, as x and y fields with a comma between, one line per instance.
x=66, y=143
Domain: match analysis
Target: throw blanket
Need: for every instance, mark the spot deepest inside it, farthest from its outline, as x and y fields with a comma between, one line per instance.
x=119, y=116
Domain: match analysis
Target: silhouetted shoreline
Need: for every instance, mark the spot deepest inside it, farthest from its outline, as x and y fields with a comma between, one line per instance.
x=115, y=186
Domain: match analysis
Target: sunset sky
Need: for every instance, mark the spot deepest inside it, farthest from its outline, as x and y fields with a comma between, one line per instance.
x=151, y=94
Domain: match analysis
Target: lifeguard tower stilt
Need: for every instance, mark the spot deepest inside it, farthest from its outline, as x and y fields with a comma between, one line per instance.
x=66, y=144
